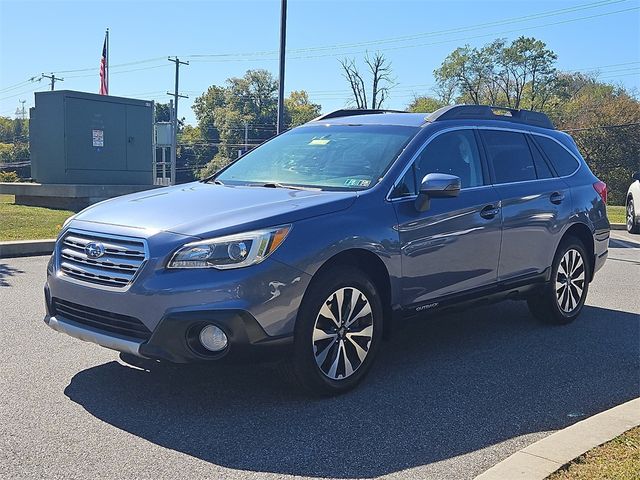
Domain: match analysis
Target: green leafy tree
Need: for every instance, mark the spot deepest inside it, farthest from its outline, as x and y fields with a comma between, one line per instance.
x=515, y=75
x=6, y=130
x=14, y=140
x=249, y=102
x=299, y=109
x=6, y=152
x=425, y=104
x=193, y=151
x=163, y=112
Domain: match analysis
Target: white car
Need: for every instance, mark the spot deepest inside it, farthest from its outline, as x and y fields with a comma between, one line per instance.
x=633, y=205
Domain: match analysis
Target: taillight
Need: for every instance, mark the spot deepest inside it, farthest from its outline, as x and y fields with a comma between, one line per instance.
x=601, y=188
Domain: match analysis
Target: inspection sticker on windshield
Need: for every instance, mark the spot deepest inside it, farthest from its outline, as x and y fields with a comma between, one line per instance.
x=319, y=141
x=354, y=182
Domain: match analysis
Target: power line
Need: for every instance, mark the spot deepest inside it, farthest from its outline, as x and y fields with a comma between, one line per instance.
x=21, y=93
x=121, y=71
x=418, y=35
x=53, y=80
x=465, y=39
x=219, y=58
x=326, y=95
x=127, y=64
x=262, y=55
x=19, y=85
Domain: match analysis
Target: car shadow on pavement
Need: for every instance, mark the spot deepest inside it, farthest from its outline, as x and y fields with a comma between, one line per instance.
x=7, y=271
x=441, y=388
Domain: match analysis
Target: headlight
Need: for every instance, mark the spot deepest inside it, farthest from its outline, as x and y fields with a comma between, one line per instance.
x=233, y=251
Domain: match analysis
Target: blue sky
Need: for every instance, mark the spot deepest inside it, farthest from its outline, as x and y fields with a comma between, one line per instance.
x=66, y=38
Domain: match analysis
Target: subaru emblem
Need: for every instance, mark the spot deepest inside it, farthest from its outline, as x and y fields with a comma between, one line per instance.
x=94, y=249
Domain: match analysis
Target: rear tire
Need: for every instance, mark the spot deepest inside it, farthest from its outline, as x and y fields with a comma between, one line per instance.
x=562, y=298
x=338, y=332
x=632, y=225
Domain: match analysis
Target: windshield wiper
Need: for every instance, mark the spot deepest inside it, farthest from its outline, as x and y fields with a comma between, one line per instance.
x=280, y=185
x=211, y=180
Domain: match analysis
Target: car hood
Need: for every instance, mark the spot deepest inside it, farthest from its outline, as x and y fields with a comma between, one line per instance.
x=199, y=209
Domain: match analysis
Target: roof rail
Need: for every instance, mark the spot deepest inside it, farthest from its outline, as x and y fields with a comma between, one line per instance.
x=488, y=112
x=352, y=112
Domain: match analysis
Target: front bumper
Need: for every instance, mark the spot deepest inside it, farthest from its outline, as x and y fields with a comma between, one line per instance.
x=256, y=306
x=174, y=339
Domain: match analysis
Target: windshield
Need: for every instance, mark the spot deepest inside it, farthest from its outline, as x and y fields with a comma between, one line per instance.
x=349, y=157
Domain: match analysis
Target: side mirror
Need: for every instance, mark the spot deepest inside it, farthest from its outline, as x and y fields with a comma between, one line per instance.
x=636, y=176
x=436, y=185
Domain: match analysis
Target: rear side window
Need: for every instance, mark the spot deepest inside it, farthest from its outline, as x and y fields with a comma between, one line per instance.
x=510, y=156
x=560, y=158
x=542, y=167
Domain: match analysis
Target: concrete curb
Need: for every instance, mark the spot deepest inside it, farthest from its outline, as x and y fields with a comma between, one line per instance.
x=618, y=226
x=539, y=460
x=24, y=248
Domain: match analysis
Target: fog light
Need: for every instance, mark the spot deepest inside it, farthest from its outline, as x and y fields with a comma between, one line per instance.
x=213, y=339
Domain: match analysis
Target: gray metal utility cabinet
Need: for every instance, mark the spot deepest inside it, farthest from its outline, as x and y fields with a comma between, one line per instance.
x=84, y=138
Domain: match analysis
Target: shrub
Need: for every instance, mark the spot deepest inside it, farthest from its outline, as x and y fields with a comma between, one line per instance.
x=9, y=177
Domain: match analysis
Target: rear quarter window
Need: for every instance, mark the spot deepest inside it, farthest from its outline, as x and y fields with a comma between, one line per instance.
x=563, y=162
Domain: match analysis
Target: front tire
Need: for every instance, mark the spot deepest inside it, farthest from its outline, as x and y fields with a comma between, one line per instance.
x=338, y=331
x=632, y=225
x=562, y=298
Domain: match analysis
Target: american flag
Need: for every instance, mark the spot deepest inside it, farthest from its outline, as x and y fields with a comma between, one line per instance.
x=104, y=80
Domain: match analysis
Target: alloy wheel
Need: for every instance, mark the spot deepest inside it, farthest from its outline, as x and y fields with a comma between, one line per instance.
x=570, y=281
x=342, y=333
x=630, y=215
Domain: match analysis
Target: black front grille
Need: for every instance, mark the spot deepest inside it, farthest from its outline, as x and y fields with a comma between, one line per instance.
x=99, y=319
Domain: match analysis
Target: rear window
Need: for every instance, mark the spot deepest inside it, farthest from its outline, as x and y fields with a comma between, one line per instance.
x=510, y=156
x=560, y=158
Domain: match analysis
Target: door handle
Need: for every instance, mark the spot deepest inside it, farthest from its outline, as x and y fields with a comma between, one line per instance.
x=489, y=212
x=556, y=198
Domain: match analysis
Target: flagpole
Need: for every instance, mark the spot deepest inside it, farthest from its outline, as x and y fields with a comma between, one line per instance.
x=108, y=64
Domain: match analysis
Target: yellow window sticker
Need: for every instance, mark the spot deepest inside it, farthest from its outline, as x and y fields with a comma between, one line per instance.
x=319, y=141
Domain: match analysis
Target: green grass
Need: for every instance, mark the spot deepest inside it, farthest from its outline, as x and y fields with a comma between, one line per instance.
x=18, y=222
x=616, y=214
x=617, y=459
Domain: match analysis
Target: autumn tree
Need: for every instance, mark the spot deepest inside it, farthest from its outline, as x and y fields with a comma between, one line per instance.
x=604, y=121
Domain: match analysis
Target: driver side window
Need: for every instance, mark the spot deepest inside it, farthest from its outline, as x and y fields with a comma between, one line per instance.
x=455, y=153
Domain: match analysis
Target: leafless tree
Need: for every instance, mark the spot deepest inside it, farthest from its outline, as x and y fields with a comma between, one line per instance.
x=381, y=80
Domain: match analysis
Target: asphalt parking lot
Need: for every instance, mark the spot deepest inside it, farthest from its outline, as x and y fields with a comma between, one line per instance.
x=448, y=397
